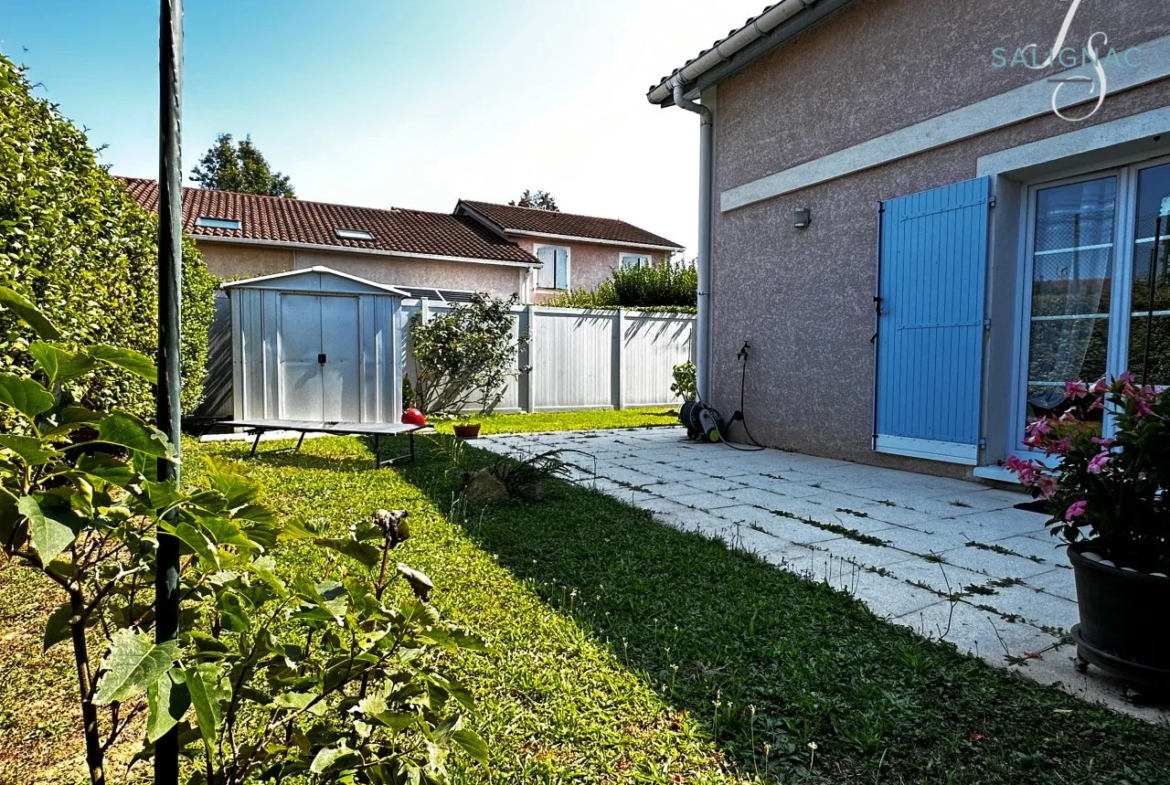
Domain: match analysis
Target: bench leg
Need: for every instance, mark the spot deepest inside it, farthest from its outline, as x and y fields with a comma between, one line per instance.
x=298, y=447
x=377, y=451
x=255, y=444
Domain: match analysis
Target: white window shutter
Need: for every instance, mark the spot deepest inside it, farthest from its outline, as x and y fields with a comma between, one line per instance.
x=545, y=278
x=562, y=266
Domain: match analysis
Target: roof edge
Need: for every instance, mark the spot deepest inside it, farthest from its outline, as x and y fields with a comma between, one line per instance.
x=775, y=25
x=198, y=238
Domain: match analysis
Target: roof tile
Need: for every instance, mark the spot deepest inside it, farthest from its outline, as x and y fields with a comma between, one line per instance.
x=529, y=219
x=277, y=219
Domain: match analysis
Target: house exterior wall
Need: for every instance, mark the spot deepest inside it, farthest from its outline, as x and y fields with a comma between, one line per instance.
x=234, y=261
x=804, y=298
x=589, y=263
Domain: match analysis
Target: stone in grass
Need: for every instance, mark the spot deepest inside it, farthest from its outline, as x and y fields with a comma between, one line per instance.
x=482, y=486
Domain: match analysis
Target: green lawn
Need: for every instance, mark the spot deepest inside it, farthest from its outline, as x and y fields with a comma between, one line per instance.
x=624, y=651
x=571, y=421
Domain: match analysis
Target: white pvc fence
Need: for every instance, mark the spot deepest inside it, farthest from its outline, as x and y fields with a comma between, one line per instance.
x=579, y=359
x=587, y=359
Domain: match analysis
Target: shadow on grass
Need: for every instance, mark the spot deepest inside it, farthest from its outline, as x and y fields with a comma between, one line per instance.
x=772, y=664
x=280, y=454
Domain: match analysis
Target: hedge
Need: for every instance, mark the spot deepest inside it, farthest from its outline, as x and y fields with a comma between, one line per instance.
x=669, y=286
x=73, y=239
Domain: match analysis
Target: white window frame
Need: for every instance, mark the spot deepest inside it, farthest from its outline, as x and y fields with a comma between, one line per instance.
x=568, y=267
x=1121, y=285
x=643, y=258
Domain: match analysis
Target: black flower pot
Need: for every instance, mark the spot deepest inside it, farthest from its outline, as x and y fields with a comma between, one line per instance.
x=1125, y=620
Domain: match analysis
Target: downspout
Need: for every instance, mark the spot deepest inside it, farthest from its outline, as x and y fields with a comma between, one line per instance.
x=703, y=322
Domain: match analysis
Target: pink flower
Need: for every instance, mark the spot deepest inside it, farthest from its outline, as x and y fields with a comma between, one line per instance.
x=1035, y=432
x=1098, y=462
x=1076, y=509
x=1025, y=470
x=1125, y=378
x=1074, y=390
x=1141, y=407
x=1046, y=485
x=1101, y=386
x=1106, y=443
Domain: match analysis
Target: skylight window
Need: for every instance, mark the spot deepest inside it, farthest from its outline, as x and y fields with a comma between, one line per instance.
x=209, y=222
x=353, y=234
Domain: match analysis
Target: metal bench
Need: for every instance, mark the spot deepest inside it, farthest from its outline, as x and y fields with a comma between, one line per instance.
x=377, y=430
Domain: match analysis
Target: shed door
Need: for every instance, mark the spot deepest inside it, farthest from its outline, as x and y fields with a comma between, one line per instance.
x=319, y=358
x=931, y=284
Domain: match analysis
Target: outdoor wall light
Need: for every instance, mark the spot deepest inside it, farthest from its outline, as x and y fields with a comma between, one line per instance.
x=802, y=218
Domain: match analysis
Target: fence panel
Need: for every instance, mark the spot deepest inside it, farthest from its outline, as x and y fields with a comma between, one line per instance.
x=577, y=359
x=573, y=359
x=652, y=344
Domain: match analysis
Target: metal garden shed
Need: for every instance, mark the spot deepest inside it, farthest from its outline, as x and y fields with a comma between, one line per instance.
x=316, y=346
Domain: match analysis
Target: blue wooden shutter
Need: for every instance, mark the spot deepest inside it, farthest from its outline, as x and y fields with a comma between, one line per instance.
x=546, y=278
x=931, y=284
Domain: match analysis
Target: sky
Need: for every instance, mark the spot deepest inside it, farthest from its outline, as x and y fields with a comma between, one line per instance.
x=408, y=104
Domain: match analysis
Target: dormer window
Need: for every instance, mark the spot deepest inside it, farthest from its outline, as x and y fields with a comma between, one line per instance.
x=353, y=234
x=210, y=222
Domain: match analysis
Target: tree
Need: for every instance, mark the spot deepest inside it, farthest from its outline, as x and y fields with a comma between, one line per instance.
x=540, y=200
x=241, y=168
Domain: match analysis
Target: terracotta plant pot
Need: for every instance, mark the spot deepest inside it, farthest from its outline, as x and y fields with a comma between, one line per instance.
x=1123, y=628
x=467, y=430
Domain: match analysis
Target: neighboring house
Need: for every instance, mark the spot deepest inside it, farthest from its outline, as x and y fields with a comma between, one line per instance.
x=920, y=251
x=576, y=251
x=244, y=235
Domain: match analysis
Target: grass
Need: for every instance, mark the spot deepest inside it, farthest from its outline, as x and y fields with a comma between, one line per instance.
x=585, y=420
x=624, y=651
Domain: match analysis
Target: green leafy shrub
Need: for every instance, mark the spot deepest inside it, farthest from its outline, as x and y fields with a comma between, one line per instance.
x=325, y=679
x=465, y=356
x=668, y=287
x=71, y=237
x=684, y=384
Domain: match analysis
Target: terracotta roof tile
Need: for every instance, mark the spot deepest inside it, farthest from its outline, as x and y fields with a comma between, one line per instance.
x=528, y=219
x=277, y=219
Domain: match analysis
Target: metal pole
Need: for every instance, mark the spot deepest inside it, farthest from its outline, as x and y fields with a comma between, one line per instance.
x=170, y=267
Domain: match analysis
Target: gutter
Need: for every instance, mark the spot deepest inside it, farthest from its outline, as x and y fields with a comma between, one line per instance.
x=728, y=48
x=706, y=205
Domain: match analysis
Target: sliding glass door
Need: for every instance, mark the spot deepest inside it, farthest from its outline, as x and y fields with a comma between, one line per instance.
x=1149, y=320
x=1096, y=286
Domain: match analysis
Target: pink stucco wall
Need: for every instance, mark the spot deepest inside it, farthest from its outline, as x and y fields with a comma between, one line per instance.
x=589, y=263
x=804, y=298
x=232, y=261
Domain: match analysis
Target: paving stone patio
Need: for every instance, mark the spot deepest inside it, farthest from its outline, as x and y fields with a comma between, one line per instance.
x=953, y=560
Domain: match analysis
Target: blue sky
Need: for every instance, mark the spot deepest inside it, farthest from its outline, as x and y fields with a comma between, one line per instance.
x=400, y=104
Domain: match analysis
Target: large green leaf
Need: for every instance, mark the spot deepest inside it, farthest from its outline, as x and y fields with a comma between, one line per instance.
x=166, y=703
x=333, y=758
x=206, y=696
x=236, y=488
x=472, y=744
x=49, y=536
x=26, y=396
x=420, y=584
x=128, y=360
x=28, y=313
x=363, y=552
x=58, y=364
x=224, y=532
x=132, y=433
x=133, y=664
x=30, y=450
x=193, y=539
x=57, y=627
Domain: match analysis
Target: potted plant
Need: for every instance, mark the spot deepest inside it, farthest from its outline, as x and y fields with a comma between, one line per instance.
x=1109, y=499
x=465, y=428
